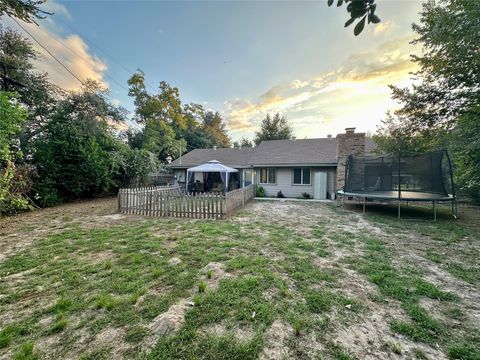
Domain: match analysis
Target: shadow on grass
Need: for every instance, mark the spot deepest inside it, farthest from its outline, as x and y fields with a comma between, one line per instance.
x=415, y=211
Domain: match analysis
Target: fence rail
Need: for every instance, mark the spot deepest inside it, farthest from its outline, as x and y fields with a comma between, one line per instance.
x=171, y=201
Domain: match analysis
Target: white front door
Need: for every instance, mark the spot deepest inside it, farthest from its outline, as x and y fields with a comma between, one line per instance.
x=320, y=185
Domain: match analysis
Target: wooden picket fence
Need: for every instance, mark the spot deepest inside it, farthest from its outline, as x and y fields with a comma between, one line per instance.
x=171, y=201
x=238, y=198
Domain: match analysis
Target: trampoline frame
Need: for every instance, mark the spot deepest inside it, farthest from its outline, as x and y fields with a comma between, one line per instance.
x=435, y=198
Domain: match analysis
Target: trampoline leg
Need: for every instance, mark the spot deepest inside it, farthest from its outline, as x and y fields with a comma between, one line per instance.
x=454, y=209
x=364, y=205
x=434, y=211
x=399, y=209
x=343, y=199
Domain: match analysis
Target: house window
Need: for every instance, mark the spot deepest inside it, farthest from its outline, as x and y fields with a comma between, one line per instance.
x=301, y=176
x=268, y=176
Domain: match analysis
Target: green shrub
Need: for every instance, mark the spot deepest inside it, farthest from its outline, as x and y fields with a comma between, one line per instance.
x=306, y=195
x=13, y=181
x=260, y=191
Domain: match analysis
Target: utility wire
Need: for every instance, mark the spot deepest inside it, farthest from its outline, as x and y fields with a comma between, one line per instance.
x=73, y=51
x=129, y=71
x=49, y=52
x=96, y=46
x=61, y=42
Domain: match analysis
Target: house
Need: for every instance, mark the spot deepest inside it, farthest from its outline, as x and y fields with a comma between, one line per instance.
x=294, y=167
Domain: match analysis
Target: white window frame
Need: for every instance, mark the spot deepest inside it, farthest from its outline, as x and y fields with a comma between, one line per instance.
x=302, y=169
x=267, y=169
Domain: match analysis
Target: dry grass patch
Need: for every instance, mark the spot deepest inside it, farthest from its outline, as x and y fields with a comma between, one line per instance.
x=279, y=280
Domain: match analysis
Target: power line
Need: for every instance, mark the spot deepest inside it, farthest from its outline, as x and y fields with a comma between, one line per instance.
x=96, y=46
x=61, y=42
x=49, y=52
x=129, y=71
x=74, y=52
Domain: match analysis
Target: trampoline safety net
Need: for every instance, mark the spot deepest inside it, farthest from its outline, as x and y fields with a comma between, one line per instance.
x=424, y=173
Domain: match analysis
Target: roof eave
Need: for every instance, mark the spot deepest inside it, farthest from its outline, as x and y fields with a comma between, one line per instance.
x=186, y=166
x=296, y=164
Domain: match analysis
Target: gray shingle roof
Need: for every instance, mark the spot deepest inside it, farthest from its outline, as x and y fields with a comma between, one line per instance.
x=291, y=152
x=273, y=152
x=231, y=157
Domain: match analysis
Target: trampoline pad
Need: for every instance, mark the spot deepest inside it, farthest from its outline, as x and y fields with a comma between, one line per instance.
x=404, y=195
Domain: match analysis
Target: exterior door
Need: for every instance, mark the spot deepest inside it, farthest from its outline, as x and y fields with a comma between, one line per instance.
x=247, y=177
x=320, y=185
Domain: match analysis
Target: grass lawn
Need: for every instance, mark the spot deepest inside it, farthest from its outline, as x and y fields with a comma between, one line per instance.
x=279, y=280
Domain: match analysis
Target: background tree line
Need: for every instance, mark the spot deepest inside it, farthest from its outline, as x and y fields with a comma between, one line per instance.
x=58, y=145
x=442, y=109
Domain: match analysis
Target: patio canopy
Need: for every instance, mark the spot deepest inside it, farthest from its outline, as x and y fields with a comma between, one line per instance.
x=212, y=166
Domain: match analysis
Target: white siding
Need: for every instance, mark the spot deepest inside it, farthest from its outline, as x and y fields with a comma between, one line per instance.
x=284, y=182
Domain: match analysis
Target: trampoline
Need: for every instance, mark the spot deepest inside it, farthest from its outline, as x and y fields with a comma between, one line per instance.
x=400, y=177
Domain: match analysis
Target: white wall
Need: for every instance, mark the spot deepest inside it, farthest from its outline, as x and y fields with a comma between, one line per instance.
x=284, y=182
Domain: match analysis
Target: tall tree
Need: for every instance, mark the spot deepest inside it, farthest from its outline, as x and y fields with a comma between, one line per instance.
x=204, y=129
x=215, y=128
x=77, y=154
x=17, y=74
x=26, y=10
x=274, y=128
x=164, y=106
x=162, y=117
x=445, y=100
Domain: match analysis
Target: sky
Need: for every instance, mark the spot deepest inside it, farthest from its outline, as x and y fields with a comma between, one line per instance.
x=244, y=59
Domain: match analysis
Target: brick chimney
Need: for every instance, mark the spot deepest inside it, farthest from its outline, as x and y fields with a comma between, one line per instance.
x=350, y=143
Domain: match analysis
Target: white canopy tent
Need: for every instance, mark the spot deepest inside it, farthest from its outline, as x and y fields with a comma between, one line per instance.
x=212, y=166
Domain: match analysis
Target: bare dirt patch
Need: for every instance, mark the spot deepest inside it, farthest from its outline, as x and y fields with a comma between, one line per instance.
x=19, y=232
x=174, y=261
x=276, y=342
x=112, y=338
x=171, y=320
x=213, y=273
x=367, y=334
x=242, y=334
x=367, y=338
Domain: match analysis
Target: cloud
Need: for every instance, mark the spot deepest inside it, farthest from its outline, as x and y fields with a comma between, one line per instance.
x=354, y=94
x=57, y=9
x=71, y=50
x=382, y=28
